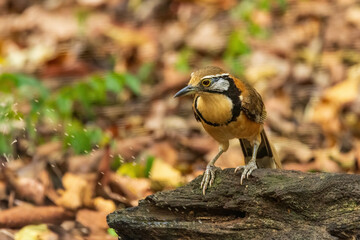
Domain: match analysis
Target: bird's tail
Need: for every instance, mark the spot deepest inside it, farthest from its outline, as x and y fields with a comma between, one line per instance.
x=266, y=156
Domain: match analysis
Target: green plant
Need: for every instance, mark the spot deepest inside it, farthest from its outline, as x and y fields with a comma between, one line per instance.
x=137, y=169
x=182, y=63
x=238, y=41
x=237, y=48
x=58, y=108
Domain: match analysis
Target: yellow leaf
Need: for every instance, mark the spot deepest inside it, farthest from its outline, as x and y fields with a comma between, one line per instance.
x=35, y=232
x=165, y=173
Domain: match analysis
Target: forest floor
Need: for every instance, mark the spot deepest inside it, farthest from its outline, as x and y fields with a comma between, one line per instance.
x=88, y=122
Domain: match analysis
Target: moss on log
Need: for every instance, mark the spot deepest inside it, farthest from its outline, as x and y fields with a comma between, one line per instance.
x=272, y=204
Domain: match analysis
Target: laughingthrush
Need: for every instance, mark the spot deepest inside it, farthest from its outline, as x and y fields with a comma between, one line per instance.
x=228, y=108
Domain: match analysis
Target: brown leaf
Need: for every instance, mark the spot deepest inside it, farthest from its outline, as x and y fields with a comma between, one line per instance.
x=48, y=148
x=25, y=188
x=165, y=151
x=292, y=149
x=208, y=30
x=3, y=194
x=352, y=15
x=172, y=36
x=164, y=173
x=132, y=188
x=104, y=205
x=94, y=220
x=24, y=215
x=200, y=144
x=85, y=163
x=304, y=167
x=309, y=9
x=78, y=192
x=130, y=147
x=324, y=162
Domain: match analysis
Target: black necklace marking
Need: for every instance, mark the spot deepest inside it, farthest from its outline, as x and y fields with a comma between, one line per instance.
x=198, y=113
x=233, y=93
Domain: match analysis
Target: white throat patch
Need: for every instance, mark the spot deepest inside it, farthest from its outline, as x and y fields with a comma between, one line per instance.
x=220, y=85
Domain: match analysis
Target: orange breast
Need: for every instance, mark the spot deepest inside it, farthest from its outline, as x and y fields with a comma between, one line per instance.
x=241, y=128
x=217, y=109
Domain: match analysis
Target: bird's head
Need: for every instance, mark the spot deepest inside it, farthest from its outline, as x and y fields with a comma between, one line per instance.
x=206, y=80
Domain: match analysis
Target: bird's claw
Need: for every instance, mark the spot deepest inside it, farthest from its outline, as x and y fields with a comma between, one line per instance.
x=208, y=178
x=248, y=169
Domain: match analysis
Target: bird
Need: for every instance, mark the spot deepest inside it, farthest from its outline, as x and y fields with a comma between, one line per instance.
x=230, y=108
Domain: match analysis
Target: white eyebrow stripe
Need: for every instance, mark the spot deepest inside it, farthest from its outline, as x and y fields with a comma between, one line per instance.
x=216, y=75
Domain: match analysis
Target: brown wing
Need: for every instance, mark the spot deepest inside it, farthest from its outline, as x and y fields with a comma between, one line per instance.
x=252, y=105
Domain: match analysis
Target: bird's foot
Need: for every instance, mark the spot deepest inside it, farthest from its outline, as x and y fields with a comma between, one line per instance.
x=248, y=168
x=208, y=177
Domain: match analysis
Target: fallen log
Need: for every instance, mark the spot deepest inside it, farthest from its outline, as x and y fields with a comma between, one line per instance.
x=272, y=204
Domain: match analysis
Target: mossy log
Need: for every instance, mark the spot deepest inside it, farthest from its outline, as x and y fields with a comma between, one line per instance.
x=272, y=204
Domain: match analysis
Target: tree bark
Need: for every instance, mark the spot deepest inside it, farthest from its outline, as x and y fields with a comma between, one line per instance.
x=271, y=204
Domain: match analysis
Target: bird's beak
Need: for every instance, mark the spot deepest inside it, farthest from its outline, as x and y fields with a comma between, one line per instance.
x=185, y=91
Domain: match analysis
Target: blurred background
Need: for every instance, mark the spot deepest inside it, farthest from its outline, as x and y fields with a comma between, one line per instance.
x=88, y=122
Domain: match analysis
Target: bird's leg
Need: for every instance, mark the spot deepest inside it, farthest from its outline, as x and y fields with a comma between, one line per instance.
x=209, y=174
x=251, y=166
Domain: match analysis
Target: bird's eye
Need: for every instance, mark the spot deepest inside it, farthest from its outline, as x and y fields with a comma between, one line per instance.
x=206, y=82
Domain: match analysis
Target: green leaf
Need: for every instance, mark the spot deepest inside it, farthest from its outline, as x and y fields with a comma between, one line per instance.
x=182, y=63
x=116, y=163
x=112, y=232
x=145, y=71
x=148, y=165
x=80, y=138
x=27, y=86
x=98, y=87
x=5, y=144
x=133, y=83
x=8, y=83
x=133, y=170
x=265, y=4
x=64, y=104
x=114, y=82
x=84, y=95
x=257, y=31
x=237, y=45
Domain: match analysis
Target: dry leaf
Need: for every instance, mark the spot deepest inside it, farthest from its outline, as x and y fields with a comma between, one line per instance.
x=25, y=187
x=165, y=173
x=94, y=220
x=104, y=205
x=85, y=163
x=208, y=30
x=164, y=150
x=77, y=193
x=35, y=232
x=352, y=15
x=132, y=188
